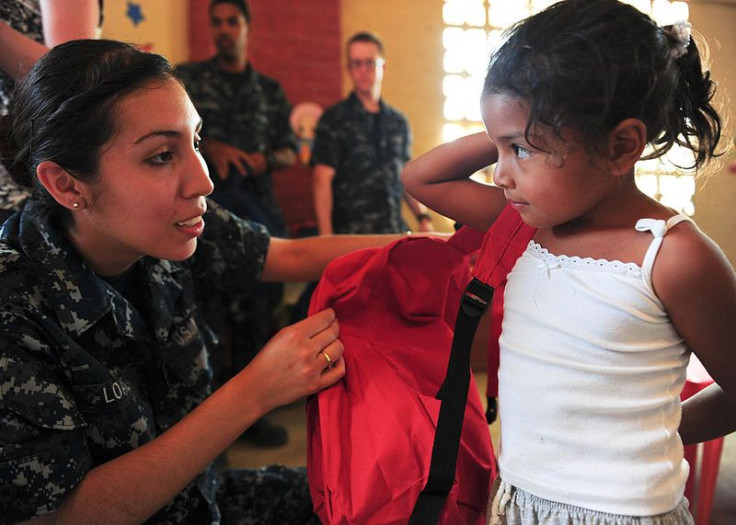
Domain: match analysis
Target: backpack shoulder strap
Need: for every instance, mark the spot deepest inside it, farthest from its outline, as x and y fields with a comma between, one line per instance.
x=502, y=244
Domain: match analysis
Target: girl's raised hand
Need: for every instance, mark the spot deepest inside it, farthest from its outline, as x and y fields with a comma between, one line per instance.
x=440, y=179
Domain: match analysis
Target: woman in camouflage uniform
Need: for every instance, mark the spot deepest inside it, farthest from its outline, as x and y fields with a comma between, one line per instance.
x=105, y=410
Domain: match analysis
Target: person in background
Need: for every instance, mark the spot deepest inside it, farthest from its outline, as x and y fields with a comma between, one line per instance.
x=615, y=290
x=247, y=137
x=106, y=413
x=27, y=29
x=360, y=146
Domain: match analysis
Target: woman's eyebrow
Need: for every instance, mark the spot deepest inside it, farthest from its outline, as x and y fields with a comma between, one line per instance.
x=159, y=133
x=167, y=133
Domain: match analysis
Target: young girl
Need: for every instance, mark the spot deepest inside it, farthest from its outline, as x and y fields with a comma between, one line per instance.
x=615, y=290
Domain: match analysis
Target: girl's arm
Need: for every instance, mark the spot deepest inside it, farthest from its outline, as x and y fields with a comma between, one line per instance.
x=62, y=21
x=132, y=487
x=709, y=414
x=697, y=285
x=440, y=179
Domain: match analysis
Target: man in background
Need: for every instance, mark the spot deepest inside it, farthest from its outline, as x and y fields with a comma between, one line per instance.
x=360, y=147
x=246, y=136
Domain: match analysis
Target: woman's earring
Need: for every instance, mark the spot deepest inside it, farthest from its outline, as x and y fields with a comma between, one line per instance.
x=75, y=205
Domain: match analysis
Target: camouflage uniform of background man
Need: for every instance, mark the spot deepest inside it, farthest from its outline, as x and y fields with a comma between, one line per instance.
x=246, y=135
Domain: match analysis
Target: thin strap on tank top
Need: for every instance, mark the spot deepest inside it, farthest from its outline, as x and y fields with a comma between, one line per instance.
x=659, y=229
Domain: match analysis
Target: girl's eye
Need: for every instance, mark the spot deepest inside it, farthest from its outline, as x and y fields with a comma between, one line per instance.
x=161, y=158
x=521, y=151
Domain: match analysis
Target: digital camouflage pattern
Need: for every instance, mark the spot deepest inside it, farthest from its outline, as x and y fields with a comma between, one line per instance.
x=367, y=152
x=249, y=111
x=85, y=376
x=274, y=495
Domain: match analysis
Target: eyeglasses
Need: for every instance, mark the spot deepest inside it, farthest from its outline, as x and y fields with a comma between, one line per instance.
x=368, y=63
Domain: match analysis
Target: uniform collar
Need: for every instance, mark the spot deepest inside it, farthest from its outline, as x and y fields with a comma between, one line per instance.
x=77, y=296
x=356, y=103
x=249, y=74
x=163, y=290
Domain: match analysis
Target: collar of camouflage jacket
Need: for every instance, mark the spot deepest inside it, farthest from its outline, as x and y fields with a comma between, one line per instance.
x=358, y=105
x=77, y=296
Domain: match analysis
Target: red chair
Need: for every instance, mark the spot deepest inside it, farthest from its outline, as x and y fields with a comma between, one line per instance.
x=701, y=483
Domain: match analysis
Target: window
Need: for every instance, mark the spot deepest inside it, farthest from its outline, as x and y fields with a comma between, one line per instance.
x=474, y=27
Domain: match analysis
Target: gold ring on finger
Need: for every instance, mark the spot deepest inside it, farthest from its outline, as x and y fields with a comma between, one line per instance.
x=329, y=359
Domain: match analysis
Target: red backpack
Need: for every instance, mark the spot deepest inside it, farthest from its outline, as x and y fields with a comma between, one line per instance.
x=402, y=438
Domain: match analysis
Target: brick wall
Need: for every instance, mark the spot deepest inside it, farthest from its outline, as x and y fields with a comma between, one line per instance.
x=299, y=44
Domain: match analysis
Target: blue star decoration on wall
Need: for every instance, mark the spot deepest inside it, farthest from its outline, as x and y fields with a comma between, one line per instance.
x=135, y=13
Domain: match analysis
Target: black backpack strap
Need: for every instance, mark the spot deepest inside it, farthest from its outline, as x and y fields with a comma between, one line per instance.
x=454, y=395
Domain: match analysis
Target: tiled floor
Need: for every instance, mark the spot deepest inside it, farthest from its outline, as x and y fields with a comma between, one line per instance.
x=294, y=454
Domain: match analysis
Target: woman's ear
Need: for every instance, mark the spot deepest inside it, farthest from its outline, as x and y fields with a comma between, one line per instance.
x=65, y=189
x=626, y=144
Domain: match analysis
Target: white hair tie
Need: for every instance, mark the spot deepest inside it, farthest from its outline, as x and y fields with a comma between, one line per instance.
x=680, y=33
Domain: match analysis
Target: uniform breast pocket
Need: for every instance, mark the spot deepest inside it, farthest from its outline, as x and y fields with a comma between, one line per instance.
x=111, y=394
x=185, y=354
x=115, y=410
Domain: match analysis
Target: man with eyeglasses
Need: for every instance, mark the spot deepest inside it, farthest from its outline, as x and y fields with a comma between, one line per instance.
x=360, y=147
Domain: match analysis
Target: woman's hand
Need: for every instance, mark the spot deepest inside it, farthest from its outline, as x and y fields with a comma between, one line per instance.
x=300, y=360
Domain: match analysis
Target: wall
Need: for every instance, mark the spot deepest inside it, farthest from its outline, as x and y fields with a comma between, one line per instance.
x=715, y=198
x=155, y=25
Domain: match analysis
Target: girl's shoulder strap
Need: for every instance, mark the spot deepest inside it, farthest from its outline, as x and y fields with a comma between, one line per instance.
x=659, y=229
x=503, y=243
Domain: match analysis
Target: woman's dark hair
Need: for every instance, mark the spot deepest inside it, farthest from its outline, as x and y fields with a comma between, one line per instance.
x=64, y=109
x=589, y=64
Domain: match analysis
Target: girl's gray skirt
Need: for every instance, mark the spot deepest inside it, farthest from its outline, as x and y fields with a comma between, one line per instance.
x=510, y=505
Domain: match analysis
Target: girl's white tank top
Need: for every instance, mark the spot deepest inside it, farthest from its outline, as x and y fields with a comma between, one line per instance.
x=589, y=383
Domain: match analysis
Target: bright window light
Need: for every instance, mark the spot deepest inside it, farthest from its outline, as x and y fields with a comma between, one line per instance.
x=503, y=13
